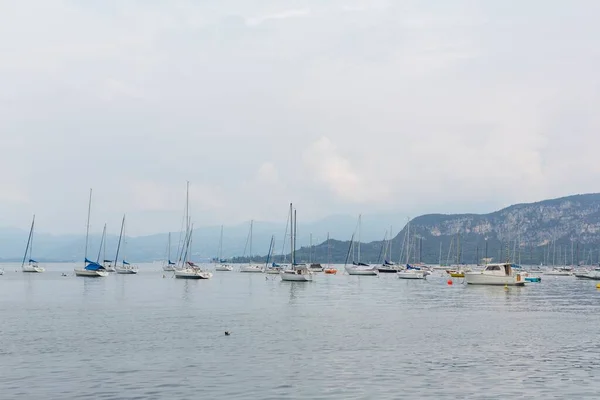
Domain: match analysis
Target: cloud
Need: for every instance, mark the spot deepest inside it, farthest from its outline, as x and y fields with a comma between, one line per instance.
x=286, y=14
x=341, y=107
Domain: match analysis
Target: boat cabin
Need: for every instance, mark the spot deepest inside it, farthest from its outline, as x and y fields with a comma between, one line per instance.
x=504, y=269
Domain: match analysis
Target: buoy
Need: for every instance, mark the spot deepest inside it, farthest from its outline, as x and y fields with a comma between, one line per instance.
x=505, y=287
x=598, y=286
x=450, y=282
x=227, y=333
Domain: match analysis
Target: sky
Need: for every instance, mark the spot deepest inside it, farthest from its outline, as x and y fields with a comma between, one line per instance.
x=342, y=107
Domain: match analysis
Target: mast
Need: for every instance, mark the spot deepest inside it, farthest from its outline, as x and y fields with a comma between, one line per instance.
x=29, y=243
x=310, y=251
x=328, y=250
x=291, y=237
x=251, y=224
x=169, y=249
x=87, y=230
x=271, y=247
x=359, y=225
x=220, y=255
x=295, y=233
x=119, y=243
x=408, y=243
x=391, y=241
x=102, y=246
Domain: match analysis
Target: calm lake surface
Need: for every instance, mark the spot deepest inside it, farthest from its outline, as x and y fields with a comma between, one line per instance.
x=340, y=337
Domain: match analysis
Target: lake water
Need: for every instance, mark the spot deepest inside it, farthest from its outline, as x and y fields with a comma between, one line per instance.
x=340, y=337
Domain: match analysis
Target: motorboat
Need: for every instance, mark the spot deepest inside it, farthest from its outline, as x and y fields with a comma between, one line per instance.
x=316, y=267
x=593, y=274
x=496, y=274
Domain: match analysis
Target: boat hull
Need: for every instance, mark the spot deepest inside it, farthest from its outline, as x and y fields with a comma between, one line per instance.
x=272, y=271
x=592, y=277
x=126, y=271
x=411, y=275
x=292, y=276
x=168, y=268
x=478, y=278
x=361, y=272
x=32, y=269
x=251, y=269
x=90, y=274
x=192, y=274
x=330, y=271
x=384, y=270
x=223, y=268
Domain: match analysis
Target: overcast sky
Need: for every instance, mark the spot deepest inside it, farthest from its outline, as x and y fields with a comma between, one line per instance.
x=368, y=106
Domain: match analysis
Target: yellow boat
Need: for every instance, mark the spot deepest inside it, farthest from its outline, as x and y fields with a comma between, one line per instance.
x=457, y=274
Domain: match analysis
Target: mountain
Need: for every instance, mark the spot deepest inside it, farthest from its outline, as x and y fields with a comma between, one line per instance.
x=557, y=231
x=549, y=231
x=48, y=247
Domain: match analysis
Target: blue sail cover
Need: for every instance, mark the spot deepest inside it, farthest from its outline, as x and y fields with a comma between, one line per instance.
x=171, y=262
x=108, y=261
x=31, y=260
x=408, y=266
x=386, y=262
x=125, y=262
x=93, y=266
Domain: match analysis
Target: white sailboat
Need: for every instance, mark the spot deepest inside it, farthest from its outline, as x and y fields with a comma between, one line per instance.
x=222, y=266
x=90, y=268
x=314, y=266
x=125, y=268
x=358, y=267
x=251, y=267
x=169, y=265
x=592, y=275
x=297, y=273
x=189, y=270
x=107, y=264
x=271, y=269
x=410, y=272
x=32, y=265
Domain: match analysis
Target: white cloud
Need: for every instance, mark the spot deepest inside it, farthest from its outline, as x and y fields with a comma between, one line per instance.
x=286, y=14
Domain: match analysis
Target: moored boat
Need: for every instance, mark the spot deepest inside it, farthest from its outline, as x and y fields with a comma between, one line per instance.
x=90, y=269
x=298, y=272
x=592, y=275
x=32, y=265
x=495, y=274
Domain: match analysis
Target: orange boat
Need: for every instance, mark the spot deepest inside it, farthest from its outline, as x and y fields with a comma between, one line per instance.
x=330, y=271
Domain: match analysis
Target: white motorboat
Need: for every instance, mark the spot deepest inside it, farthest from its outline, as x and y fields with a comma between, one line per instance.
x=90, y=269
x=32, y=265
x=495, y=274
x=251, y=268
x=411, y=274
x=593, y=274
x=223, y=267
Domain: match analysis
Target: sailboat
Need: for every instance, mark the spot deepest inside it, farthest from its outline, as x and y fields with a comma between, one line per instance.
x=188, y=269
x=125, y=268
x=107, y=264
x=272, y=269
x=388, y=266
x=170, y=265
x=314, y=267
x=32, y=265
x=329, y=270
x=251, y=267
x=297, y=272
x=410, y=272
x=90, y=268
x=357, y=267
x=222, y=266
